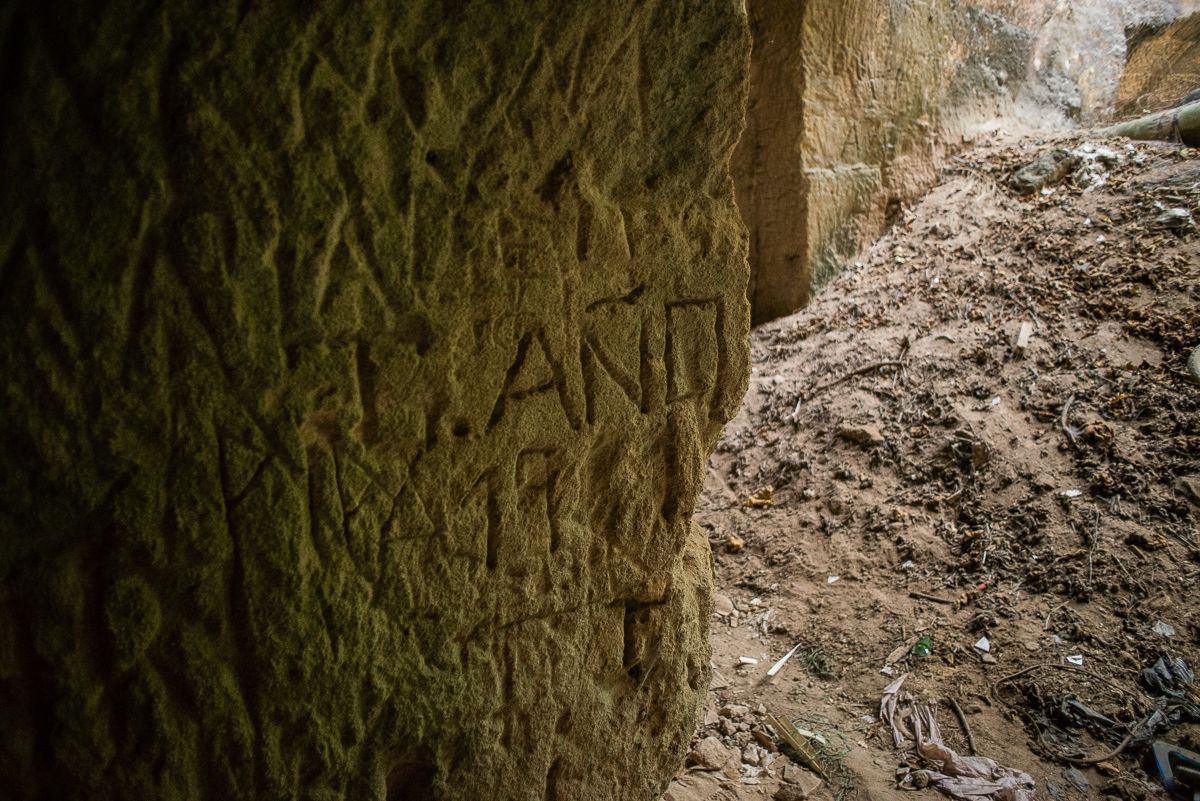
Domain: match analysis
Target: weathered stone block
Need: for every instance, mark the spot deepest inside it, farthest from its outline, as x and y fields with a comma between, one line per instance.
x=361, y=363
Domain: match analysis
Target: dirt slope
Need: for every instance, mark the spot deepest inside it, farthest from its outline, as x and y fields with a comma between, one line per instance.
x=1047, y=500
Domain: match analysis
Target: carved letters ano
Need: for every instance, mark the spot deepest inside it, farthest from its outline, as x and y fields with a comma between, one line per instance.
x=650, y=357
x=654, y=356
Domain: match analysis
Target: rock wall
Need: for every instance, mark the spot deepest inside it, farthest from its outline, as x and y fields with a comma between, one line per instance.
x=854, y=104
x=1163, y=68
x=768, y=163
x=361, y=365
x=1080, y=52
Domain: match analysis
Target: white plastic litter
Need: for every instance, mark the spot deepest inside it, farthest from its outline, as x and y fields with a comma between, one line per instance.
x=775, y=668
x=983, y=645
x=965, y=778
x=1164, y=629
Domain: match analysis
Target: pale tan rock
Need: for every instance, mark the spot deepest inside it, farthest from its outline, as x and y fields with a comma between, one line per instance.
x=711, y=754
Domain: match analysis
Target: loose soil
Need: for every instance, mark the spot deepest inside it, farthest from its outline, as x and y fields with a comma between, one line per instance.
x=901, y=469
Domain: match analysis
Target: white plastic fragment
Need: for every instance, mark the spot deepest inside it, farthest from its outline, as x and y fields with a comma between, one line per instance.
x=1076, y=660
x=775, y=668
x=983, y=645
x=832, y=579
x=747, y=660
x=1071, y=493
x=1164, y=629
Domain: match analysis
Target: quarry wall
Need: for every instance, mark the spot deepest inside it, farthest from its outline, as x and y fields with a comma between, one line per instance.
x=853, y=107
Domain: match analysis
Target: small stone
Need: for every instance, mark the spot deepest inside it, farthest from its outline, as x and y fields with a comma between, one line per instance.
x=709, y=754
x=764, y=739
x=728, y=727
x=790, y=792
x=722, y=605
x=735, y=711
x=1076, y=777
x=1030, y=645
x=734, y=543
x=864, y=436
x=750, y=755
x=760, y=710
x=988, y=659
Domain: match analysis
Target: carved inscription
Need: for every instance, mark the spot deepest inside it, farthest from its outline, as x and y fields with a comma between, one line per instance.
x=636, y=356
x=523, y=499
x=692, y=354
x=631, y=351
x=535, y=370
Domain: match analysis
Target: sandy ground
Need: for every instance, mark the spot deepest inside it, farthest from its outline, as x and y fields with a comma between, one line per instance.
x=903, y=469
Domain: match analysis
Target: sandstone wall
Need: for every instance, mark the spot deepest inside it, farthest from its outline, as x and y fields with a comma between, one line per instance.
x=854, y=104
x=768, y=162
x=1163, y=68
x=361, y=365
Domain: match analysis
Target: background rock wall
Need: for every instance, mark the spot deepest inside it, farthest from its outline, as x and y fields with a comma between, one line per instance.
x=1163, y=68
x=768, y=162
x=863, y=99
x=361, y=364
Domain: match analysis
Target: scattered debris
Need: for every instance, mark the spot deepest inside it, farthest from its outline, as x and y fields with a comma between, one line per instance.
x=1021, y=343
x=924, y=596
x=1168, y=675
x=1179, y=770
x=954, y=528
x=969, y=778
x=1163, y=629
x=761, y=499
x=1175, y=219
x=806, y=756
x=1049, y=168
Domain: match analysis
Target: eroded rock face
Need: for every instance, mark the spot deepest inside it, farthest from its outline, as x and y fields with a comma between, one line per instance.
x=1163, y=69
x=854, y=104
x=360, y=370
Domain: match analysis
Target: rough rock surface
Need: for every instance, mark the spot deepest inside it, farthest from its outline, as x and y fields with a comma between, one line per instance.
x=853, y=106
x=1163, y=68
x=361, y=364
x=768, y=165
